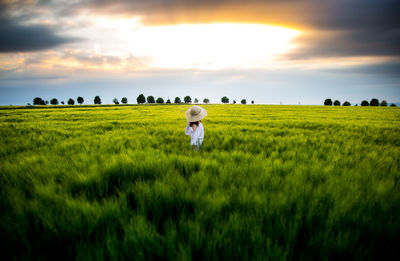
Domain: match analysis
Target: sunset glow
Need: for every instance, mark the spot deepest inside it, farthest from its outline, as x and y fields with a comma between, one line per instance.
x=211, y=46
x=200, y=46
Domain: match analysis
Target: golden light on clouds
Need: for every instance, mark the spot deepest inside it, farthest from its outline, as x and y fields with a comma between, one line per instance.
x=203, y=46
x=127, y=45
x=211, y=46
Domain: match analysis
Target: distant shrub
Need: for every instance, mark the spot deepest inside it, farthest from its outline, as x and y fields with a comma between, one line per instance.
x=141, y=99
x=187, y=99
x=177, y=100
x=115, y=101
x=374, y=102
x=252, y=102
x=62, y=102
x=336, y=103
x=346, y=103
x=54, y=101
x=150, y=99
x=160, y=100
x=97, y=100
x=206, y=100
x=384, y=103
x=364, y=103
x=38, y=101
x=71, y=101
x=225, y=99
x=80, y=100
x=328, y=102
x=124, y=100
x=393, y=105
x=234, y=102
x=168, y=101
x=243, y=101
x=196, y=100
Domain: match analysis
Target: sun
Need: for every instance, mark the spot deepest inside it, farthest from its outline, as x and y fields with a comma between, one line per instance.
x=206, y=46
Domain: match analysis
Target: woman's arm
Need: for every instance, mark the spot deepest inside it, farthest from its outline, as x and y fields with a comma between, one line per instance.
x=188, y=130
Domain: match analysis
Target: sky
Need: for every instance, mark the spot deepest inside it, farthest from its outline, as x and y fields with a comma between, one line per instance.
x=272, y=52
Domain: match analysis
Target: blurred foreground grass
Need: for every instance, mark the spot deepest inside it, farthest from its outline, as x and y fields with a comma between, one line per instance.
x=271, y=182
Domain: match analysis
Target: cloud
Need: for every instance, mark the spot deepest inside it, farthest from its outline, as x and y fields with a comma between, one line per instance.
x=20, y=33
x=385, y=69
x=346, y=43
x=22, y=38
x=72, y=61
x=339, y=28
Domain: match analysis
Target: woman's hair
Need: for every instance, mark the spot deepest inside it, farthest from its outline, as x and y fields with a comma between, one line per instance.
x=194, y=123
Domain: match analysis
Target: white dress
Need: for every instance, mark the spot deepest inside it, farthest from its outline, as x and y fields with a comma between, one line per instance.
x=197, y=136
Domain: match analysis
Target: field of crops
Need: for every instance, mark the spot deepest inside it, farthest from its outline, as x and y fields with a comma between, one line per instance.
x=270, y=182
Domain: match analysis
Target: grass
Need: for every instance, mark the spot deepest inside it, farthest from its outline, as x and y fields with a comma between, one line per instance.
x=270, y=182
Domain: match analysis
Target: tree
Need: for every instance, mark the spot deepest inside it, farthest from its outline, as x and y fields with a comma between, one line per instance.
x=38, y=101
x=71, y=101
x=141, y=99
x=62, y=102
x=115, y=101
x=328, y=102
x=374, y=102
x=54, y=101
x=346, y=103
x=160, y=100
x=384, y=103
x=336, y=103
x=97, y=100
x=80, y=100
x=150, y=99
x=243, y=101
x=177, y=100
x=393, y=105
x=187, y=99
x=124, y=100
x=196, y=100
x=206, y=100
x=225, y=99
x=364, y=103
x=234, y=102
x=168, y=101
x=252, y=102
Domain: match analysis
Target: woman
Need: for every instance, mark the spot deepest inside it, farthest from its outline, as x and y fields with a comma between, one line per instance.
x=194, y=127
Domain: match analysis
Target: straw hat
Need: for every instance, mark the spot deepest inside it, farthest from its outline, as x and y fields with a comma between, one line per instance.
x=195, y=113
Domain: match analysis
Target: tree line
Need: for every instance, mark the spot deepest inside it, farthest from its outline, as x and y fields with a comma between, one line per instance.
x=373, y=102
x=141, y=99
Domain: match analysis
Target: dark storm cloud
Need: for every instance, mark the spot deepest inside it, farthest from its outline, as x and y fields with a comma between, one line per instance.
x=351, y=43
x=21, y=38
x=17, y=34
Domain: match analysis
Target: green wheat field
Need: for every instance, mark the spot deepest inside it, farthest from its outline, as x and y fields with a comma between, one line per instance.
x=270, y=183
